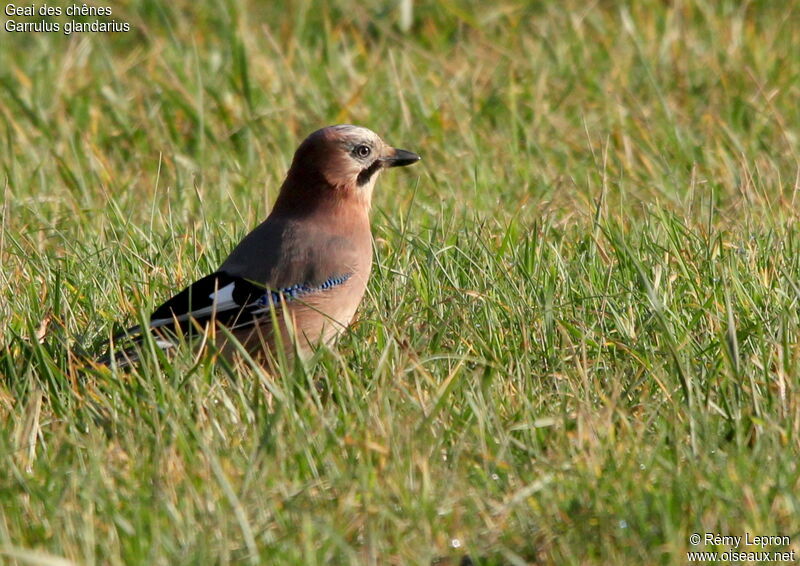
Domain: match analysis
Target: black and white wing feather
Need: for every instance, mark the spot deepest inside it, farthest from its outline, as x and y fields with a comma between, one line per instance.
x=223, y=298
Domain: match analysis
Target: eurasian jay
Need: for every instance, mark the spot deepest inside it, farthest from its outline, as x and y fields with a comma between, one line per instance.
x=305, y=267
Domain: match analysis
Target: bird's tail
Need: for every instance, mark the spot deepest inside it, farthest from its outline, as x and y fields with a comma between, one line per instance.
x=125, y=349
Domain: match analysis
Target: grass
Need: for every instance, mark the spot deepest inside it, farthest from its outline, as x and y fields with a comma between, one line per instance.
x=580, y=339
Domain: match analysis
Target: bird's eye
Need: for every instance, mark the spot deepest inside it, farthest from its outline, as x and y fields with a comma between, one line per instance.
x=362, y=151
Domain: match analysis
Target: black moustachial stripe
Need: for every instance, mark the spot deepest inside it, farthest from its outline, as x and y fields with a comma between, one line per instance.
x=366, y=174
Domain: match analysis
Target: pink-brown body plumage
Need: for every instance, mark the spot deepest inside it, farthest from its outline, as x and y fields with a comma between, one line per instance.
x=306, y=266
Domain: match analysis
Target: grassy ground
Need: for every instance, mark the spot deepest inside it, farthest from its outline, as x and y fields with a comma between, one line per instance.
x=580, y=340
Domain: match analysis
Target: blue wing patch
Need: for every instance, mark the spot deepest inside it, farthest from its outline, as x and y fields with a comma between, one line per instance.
x=297, y=291
x=230, y=300
x=227, y=299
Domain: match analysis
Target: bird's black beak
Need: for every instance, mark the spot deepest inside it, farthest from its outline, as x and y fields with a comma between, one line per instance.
x=401, y=158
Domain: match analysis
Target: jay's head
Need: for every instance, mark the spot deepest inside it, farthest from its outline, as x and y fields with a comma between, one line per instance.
x=347, y=159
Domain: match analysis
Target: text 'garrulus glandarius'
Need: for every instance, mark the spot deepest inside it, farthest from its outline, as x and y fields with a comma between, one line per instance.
x=305, y=268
